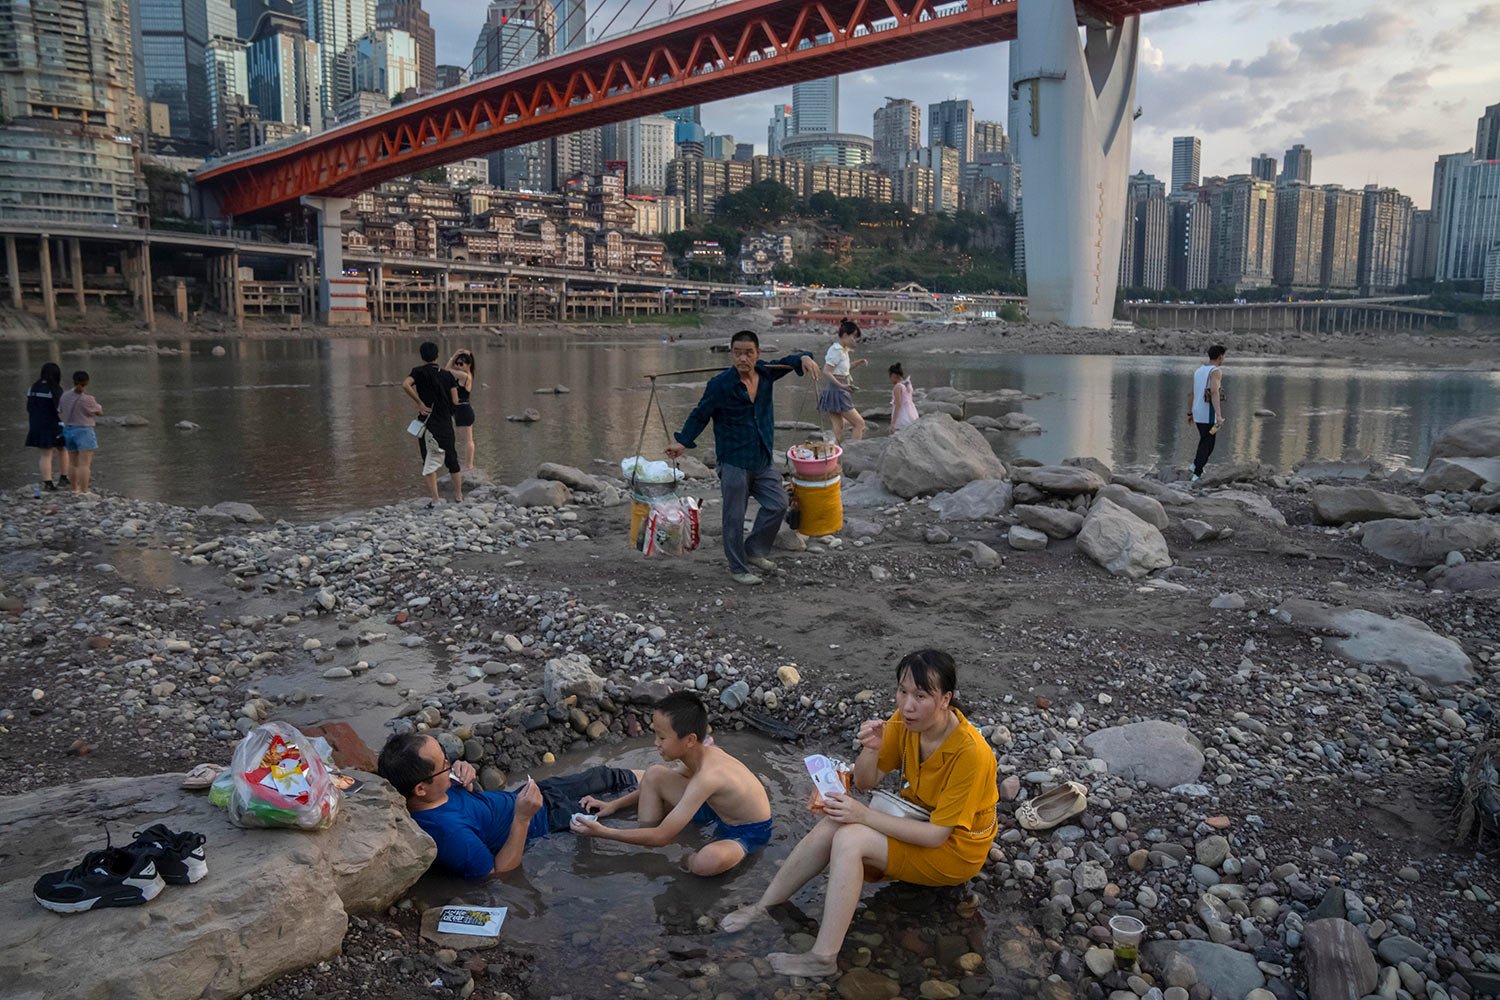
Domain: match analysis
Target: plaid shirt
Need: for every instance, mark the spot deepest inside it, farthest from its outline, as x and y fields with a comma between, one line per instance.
x=744, y=431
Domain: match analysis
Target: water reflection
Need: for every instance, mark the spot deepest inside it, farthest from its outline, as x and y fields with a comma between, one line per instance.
x=305, y=428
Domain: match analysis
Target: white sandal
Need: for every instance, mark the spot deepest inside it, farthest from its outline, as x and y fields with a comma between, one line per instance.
x=201, y=776
x=1053, y=807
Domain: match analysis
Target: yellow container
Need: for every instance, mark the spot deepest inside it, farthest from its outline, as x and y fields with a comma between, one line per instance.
x=638, y=512
x=820, y=507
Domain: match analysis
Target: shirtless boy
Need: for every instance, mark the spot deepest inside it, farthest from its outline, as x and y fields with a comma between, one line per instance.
x=699, y=784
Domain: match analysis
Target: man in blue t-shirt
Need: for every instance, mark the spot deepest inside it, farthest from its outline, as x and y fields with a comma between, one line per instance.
x=485, y=833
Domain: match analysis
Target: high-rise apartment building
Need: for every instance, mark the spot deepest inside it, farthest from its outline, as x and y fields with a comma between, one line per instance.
x=1385, y=238
x=1469, y=219
x=1421, y=258
x=744, y=152
x=1263, y=167
x=1244, y=232
x=932, y=179
x=1297, y=165
x=951, y=123
x=718, y=147
x=1144, y=248
x=336, y=26
x=1342, y=212
x=815, y=106
x=70, y=113
x=1298, y=260
x=779, y=128
x=228, y=81
x=386, y=62
x=1487, y=135
x=1190, y=240
x=449, y=75
x=1187, y=154
x=575, y=154
x=989, y=137
x=843, y=149
x=649, y=147
x=898, y=130
x=284, y=72
x=408, y=16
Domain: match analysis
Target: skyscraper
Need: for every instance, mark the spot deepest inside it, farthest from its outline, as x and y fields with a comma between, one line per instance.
x=285, y=73
x=815, y=106
x=336, y=25
x=1244, y=232
x=171, y=64
x=1187, y=152
x=898, y=129
x=408, y=16
x=385, y=62
x=989, y=137
x=1297, y=165
x=1190, y=240
x=228, y=79
x=70, y=114
x=514, y=33
x=779, y=128
x=449, y=75
x=951, y=123
x=1385, y=238
x=572, y=18
x=1470, y=218
x=1487, y=135
x=1342, y=212
x=1300, y=211
x=1422, y=257
x=1263, y=167
x=649, y=147
x=1144, y=249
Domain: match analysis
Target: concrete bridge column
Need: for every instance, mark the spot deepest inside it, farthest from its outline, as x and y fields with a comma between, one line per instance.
x=13, y=272
x=1077, y=99
x=49, y=295
x=342, y=301
x=75, y=268
x=143, y=275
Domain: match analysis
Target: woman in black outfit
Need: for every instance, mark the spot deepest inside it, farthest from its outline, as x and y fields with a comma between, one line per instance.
x=462, y=367
x=45, y=430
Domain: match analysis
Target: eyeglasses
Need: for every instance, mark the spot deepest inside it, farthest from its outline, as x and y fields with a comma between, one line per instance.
x=438, y=774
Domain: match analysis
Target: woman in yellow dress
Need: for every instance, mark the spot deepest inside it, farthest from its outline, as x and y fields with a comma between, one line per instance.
x=949, y=770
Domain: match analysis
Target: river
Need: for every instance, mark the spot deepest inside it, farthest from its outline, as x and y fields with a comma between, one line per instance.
x=305, y=428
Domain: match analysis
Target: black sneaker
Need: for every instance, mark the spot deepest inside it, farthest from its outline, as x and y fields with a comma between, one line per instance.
x=63, y=481
x=111, y=877
x=49, y=486
x=179, y=856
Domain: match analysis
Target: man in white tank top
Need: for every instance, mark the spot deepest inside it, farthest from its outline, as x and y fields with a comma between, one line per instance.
x=1207, y=412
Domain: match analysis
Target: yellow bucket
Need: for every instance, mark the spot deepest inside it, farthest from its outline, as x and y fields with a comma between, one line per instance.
x=638, y=512
x=820, y=507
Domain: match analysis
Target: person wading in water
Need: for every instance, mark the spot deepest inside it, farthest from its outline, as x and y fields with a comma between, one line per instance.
x=1207, y=413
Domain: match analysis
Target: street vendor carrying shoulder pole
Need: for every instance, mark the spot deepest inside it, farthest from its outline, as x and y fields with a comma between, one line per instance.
x=739, y=402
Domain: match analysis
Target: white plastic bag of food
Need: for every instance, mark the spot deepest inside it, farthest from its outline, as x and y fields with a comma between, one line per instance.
x=643, y=470
x=280, y=780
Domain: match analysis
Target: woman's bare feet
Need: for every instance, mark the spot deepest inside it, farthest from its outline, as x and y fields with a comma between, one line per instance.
x=738, y=920
x=807, y=964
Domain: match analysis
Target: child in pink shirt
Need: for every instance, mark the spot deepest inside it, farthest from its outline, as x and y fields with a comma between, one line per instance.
x=77, y=409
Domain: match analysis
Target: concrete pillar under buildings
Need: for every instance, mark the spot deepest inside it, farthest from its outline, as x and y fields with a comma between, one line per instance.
x=1077, y=101
x=147, y=284
x=49, y=295
x=342, y=301
x=75, y=267
x=13, y=272
x=236, y=291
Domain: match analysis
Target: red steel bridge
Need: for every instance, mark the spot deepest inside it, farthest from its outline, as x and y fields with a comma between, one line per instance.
x=733, y=48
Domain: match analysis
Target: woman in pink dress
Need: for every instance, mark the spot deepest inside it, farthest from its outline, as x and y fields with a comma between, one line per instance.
x=903, y=410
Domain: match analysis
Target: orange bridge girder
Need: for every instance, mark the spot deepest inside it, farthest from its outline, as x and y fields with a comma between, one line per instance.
x=733, y=49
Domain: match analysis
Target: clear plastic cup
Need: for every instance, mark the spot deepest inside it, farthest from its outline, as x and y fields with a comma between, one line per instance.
x=1127, y=933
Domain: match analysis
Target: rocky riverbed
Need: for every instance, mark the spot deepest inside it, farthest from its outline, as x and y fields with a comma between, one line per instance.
x=1265, y=680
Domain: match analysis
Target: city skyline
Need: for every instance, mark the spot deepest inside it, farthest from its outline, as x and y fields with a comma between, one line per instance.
x=1375, y=95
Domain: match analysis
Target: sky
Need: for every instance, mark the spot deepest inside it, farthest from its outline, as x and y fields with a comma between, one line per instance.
x=1376, y=90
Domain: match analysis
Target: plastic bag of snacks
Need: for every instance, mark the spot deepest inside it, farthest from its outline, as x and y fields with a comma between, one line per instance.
x=830, y=776
x=671, y=527
x=279, y=779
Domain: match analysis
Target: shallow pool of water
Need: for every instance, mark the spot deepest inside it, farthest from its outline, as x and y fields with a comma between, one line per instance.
x=606, y=919
x=306, y=428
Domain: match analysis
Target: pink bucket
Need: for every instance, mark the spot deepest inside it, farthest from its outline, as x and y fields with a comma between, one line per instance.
x=814, y=466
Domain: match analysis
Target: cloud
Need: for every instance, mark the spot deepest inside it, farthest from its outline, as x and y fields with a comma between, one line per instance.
x=1479, y=24
x=1345, y=43
x=1150, y=57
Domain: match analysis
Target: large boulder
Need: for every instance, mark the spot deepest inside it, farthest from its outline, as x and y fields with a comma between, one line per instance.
x=1063, y=480
x=243, y=513
x=863, y=456
x=1460, y=475
x=981, y=500
x=1477, y=437
x=572, y=478
x=866, y=492
x=1348, y=504
x=1159, y=753
x=540, y=493
x=1054, y=522
x=1121, y=542
x=1338, y=960
x=1426, y=542
x=273, y=901
x=1405, y=643
x=1146, y=508
x=1468, y=576
x=568, y=676
x=1233, y=507
x=937, y=453
x=1092, y=464
x=1227, y=972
